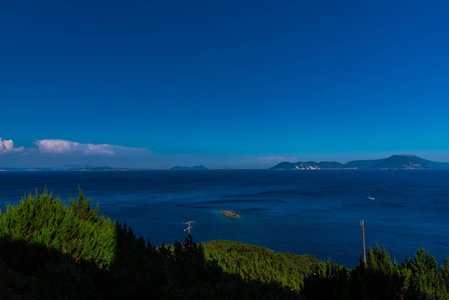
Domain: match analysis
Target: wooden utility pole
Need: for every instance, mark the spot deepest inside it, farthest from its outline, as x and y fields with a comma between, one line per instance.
x=362, y=223
x=189, y=227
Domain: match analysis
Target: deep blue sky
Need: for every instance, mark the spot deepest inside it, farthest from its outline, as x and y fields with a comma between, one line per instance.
x=238, y=84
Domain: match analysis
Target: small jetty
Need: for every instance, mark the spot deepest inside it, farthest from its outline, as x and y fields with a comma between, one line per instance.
x=230, y=213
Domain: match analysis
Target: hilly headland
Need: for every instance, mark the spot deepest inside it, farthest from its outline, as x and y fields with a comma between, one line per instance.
x=394, y=162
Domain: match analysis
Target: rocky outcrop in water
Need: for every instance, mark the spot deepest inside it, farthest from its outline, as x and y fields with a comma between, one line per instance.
x=230, y=213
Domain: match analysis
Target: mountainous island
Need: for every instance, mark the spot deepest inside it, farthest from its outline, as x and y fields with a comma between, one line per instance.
x=201, y=167
x=394, y=162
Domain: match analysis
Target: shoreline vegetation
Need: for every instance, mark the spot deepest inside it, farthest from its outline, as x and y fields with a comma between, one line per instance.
x=49, y=249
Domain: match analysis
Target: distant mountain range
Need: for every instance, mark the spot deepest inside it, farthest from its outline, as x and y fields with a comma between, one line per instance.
x=190, y=168
x=392, y=162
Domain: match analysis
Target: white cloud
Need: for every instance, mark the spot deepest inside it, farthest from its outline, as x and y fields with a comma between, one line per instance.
x=56, y=146
x=7, y=146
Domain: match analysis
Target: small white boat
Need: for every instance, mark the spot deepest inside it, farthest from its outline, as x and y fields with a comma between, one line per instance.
x=370, y=197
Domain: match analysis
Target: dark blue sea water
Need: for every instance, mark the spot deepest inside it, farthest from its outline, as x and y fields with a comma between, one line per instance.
x=302, y=212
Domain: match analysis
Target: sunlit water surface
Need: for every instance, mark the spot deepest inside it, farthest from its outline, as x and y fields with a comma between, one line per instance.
x=303, y=212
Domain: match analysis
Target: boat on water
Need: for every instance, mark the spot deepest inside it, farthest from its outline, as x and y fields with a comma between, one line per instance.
x=370, y=197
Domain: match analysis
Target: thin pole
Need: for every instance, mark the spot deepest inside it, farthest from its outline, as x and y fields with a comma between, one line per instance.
x=362, y=223
x=189, y=226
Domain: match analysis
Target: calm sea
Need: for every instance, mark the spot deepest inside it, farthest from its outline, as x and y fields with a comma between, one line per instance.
x=302, y=212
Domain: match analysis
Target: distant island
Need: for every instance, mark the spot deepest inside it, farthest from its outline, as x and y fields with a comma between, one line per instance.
x=201, y=167
x=394, y=162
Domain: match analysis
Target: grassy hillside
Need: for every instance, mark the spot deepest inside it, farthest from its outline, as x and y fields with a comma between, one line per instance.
x=262, y=264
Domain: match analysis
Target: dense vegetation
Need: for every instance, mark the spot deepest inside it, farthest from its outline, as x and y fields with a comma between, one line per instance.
x=262, y=264
x=51, y=250
x=380, y=278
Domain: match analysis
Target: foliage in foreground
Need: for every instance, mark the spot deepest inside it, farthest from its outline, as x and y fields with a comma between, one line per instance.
x=380, y=278
x=52, y=250
x=262, y=264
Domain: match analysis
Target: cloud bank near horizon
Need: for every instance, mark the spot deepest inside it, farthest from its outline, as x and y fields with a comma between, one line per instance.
x=59, y=152
x=57, y=146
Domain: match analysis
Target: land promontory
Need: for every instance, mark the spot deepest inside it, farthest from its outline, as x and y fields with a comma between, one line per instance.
x=394, y=162
x=200, y=167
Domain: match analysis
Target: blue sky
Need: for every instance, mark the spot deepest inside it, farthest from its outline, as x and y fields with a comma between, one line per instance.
x=226, y=84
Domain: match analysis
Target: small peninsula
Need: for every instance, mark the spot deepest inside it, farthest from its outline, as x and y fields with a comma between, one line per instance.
x=230, y=213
